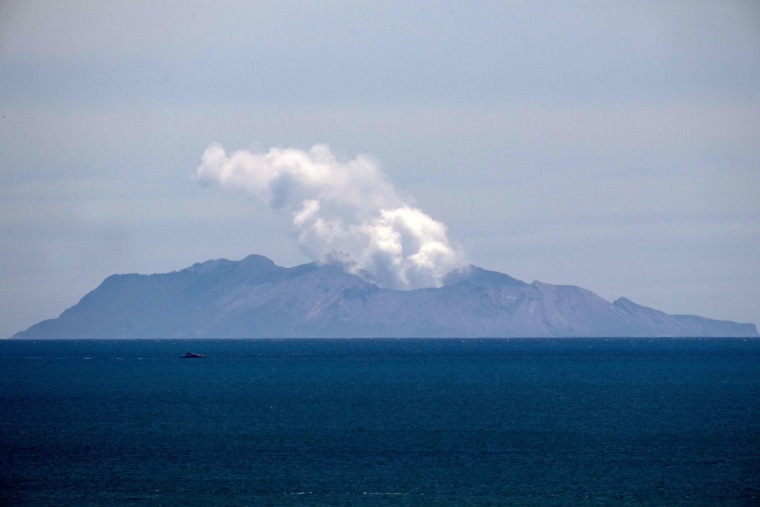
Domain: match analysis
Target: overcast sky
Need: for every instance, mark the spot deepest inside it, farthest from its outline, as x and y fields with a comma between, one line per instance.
x=611, y=145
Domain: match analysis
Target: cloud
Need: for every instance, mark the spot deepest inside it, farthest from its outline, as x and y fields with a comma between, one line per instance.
x=346, y=212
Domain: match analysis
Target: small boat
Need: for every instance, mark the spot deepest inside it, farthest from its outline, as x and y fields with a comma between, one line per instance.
x=192, y=355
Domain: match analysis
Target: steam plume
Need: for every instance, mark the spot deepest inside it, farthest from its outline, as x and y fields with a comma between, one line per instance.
x=347, y=212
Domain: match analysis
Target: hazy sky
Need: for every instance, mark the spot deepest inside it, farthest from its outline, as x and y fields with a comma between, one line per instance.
x=611, y=145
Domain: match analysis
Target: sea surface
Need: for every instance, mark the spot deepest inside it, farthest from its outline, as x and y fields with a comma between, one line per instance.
x=380, y=422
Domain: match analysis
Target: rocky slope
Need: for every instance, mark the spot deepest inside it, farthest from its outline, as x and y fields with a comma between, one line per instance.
x=255, y=298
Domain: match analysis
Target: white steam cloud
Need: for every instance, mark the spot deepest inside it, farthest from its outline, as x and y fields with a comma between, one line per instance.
x=347, y=212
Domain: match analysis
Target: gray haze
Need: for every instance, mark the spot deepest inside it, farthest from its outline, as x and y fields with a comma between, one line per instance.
x=611, y=145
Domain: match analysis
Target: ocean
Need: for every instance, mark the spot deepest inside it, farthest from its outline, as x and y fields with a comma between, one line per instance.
x=380, y=422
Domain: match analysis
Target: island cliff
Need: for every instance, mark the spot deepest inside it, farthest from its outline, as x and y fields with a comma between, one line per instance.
x=255, y=298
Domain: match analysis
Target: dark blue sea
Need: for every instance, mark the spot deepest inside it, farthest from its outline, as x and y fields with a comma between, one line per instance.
x=380, y=422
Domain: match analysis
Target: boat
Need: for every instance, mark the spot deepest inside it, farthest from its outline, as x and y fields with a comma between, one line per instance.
x=192, y=355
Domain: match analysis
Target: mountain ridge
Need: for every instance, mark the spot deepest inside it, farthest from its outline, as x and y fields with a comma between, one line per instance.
x=255, y=298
